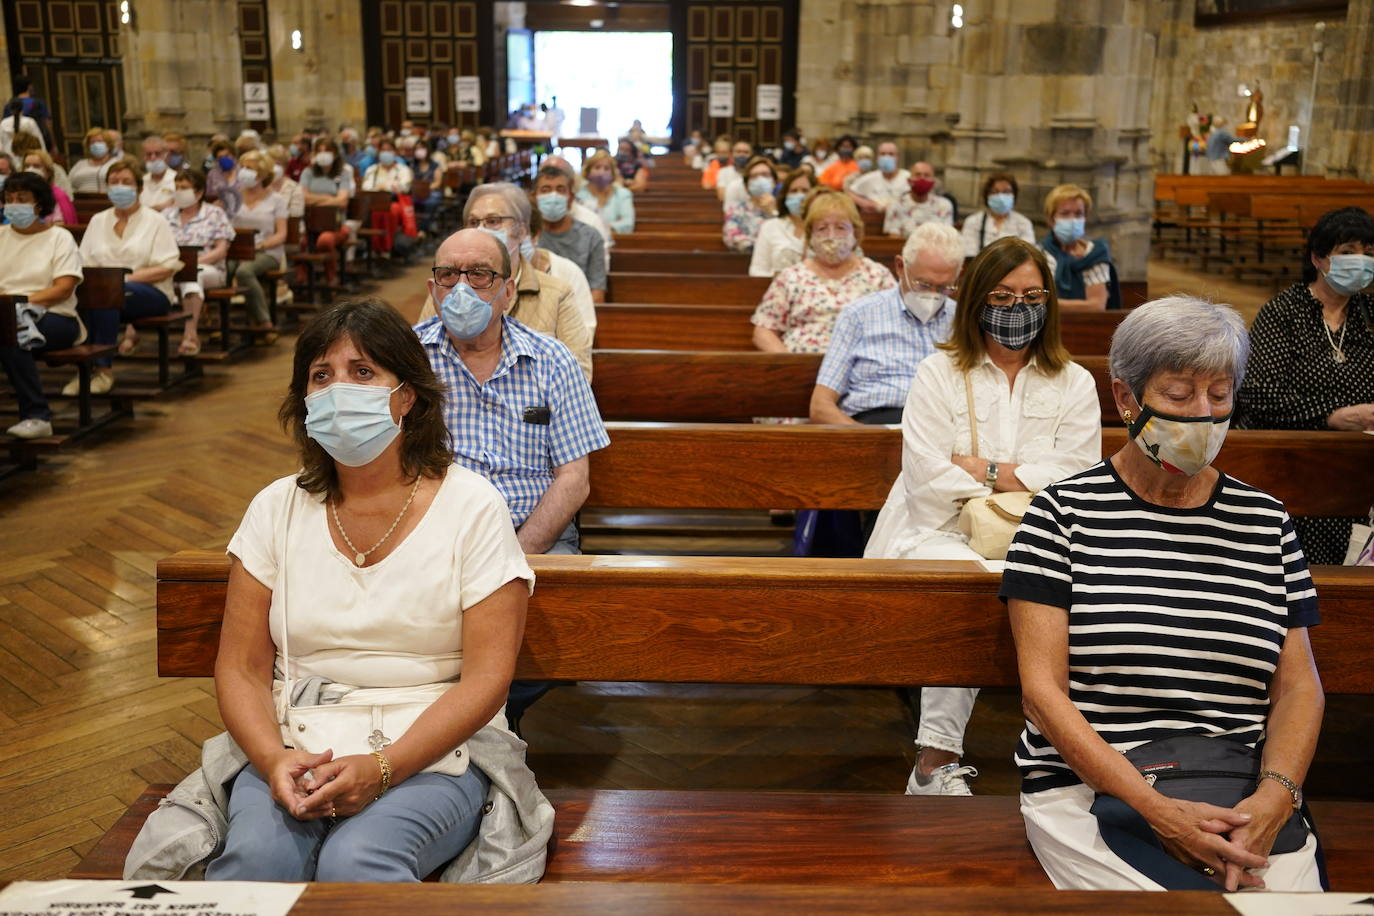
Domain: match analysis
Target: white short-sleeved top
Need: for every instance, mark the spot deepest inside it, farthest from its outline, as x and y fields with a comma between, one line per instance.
x=262, y=218
x=29, y=263
x=397, y=623
x=147, y=242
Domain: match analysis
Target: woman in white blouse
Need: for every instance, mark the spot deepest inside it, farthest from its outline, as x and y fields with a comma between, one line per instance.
x=780, y=242
x=997, y=219
x=1038, y=420
x=140, y=240
x=265, y=213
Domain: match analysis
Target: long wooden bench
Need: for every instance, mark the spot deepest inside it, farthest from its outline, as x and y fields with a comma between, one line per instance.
x=770, y=621
x=649, y=325
x=686, y=289
x=741, y=466
x=880, y=248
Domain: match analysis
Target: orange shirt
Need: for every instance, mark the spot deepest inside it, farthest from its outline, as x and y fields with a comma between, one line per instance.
x=708, y=175
x=836, y=172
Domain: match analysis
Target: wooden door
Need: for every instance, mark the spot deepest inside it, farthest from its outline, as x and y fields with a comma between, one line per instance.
x=436, y=40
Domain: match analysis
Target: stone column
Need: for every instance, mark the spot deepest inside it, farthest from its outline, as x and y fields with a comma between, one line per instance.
x=1060, y=93
x=1352, y=146
x=6, y=87
x=322, y=84
x=182, y=69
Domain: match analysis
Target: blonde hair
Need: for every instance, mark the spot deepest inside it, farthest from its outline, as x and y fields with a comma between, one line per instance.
x=1064, y=193
x=601, y=157
x=127, y=164
x=44, y=161
x=822, y=202
x=259, y=162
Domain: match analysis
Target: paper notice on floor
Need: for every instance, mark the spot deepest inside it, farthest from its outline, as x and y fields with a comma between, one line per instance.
x=158, y=898
x=1265, y=904
x=993, y=566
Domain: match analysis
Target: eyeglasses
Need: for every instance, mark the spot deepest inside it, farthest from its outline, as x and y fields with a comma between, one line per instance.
x=1003, y=298
x=478, y=277
x=920, y=287
x=488, y=222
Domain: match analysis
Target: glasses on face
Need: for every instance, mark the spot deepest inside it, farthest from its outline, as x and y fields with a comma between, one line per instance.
x=920, y=287
x=1004, y=298
x=477, y=277
x=488, y=222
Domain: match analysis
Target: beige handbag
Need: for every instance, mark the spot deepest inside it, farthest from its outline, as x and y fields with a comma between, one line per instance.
x=990, y=521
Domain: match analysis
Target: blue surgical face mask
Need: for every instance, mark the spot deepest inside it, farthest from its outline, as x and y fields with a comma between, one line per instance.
x=865, y=164
x=887, y=164
x=351, y=422
x=175, y=161
x=527, y=247
x=760, y=186
x=386, y=157
x=1068, y=229
x=370, y=150
x=464, y=313
x=20, y=216
x=794, y=202
x=1349, y=273
x=552, y=206
x=294, y=150
x=225, y=163
x=500, y=236
x=1001, y=203
x=98, y=149
x=122, y=196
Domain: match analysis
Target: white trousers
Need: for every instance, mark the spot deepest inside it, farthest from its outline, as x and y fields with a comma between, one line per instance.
x=1064, y=835
x=945, y=711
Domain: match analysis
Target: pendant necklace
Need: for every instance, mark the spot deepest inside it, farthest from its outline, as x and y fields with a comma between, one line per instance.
x=360, y=556
x=1337, y=349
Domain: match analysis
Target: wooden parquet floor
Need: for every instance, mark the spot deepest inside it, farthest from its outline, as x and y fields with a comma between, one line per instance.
x=85, y=722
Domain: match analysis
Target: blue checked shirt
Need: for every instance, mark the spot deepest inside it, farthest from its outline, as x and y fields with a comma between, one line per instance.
x=487, y=421
x=875, y=350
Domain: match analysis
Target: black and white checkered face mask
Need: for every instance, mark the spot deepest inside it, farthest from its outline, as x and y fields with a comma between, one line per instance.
x=1013, y=326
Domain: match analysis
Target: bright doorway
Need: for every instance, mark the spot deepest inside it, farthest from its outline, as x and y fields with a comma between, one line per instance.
x=624, y=75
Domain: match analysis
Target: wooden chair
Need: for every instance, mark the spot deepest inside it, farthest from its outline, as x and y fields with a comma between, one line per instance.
x=318, y=220
x=176, y=318
x=101, y=289
x=241, y=250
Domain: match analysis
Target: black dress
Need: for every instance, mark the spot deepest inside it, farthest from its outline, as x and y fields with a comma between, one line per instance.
x=1294, y=382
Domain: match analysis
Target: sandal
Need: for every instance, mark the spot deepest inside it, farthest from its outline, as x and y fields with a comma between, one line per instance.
x=189, y=348
x=128, y=345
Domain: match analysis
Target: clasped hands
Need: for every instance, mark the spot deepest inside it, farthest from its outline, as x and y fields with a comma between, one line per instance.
x=313, y=786
x=1228, y=841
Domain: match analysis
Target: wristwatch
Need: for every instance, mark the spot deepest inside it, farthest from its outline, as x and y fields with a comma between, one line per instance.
x=991, y=478
x=1293, y=788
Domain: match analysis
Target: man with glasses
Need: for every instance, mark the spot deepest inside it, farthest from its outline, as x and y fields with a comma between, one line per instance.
x=542, y=302
x=519, y=411
x=880, y=339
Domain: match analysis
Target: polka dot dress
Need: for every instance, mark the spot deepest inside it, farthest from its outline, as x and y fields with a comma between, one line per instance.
x=1296, y=378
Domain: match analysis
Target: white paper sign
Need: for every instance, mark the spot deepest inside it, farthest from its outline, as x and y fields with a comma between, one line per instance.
x=257, y=111
x=722, y=100
x=255, y=92
x=1301, y=904
x=156, y=898
x=418, y=94
x=467, y=93
x=769, y=107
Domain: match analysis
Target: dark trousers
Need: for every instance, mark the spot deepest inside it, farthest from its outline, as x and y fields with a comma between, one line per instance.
x=141, y=300
x=840, y=532
x=59, y=332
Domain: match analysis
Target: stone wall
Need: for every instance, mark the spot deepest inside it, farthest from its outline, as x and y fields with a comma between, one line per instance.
x=6, y=87
x=1206, y=65
x=322, y=84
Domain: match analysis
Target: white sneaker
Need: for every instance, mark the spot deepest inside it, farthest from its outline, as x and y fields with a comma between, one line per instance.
x=950, y=779
x=32, y=428
x=72, y=388
x=102, y=382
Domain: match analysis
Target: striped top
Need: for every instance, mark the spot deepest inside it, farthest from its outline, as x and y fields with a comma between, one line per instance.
x=1176, y=616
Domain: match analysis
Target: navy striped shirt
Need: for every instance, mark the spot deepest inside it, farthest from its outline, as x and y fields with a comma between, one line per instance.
x=1176, y=616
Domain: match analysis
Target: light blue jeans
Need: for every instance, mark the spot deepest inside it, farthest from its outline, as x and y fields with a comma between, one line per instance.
x=402, y=836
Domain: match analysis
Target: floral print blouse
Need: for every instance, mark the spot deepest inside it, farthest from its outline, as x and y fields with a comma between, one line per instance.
x=742, y=223
x=802, y=307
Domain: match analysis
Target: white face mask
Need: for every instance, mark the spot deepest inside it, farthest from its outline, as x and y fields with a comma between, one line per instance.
x=247, y=179
x=277, y=172
x=1179, y=445
x=923, y=306
x=185, y=197
x=324, y=160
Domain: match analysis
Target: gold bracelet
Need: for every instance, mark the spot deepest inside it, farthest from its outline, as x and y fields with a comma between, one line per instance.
x=386, y=773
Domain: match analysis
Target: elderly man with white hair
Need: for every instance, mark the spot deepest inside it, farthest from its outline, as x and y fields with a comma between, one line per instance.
x=880, y=339
x=542, y=302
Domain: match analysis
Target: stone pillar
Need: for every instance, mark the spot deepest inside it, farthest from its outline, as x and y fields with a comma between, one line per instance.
x=182, y=69
x=1060, y=93
x=322, y=84
x=6, y=87
x=1352, y=136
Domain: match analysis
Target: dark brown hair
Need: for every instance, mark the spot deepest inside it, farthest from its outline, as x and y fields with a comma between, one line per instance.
x=381, y=335
x=981, y=277
x=194, y=178
x=1000, y=176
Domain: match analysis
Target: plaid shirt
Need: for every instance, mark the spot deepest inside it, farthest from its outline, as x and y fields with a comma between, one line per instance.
x=488, y=424
x=875, y=349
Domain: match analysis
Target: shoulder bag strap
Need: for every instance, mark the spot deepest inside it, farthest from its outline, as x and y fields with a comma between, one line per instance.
x=972, y=417
x=284, y=700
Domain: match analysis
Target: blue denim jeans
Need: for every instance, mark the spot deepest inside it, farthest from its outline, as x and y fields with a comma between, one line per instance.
x=402, y=836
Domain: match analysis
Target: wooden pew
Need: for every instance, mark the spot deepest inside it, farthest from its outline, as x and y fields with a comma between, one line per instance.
x=775, y=621
x=662, y=466
x=878, y=247
x=686, y=289
x=680, y=386
x=624, y=325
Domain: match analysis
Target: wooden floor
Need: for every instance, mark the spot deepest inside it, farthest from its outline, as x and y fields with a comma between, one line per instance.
x=85, y=722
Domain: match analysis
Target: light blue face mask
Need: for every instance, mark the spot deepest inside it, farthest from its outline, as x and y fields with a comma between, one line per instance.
x=122, y=196
x=1349, y=273
x=794, y=202
x=865, y=164
x=464, y=313
x=386, y=157
x=552, y=206
x=887, y=164
x=499, y=235
x=1068, y=229
x=20, y=216
x=351, y=422
x=526, y=247
x=99, y=149
x=1001, y=203
x=760, y=186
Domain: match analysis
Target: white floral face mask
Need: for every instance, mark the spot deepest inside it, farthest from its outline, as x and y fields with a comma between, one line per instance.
x=1179, y=445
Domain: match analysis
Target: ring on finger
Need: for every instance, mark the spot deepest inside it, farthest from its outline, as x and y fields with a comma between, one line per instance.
x=1207, y=870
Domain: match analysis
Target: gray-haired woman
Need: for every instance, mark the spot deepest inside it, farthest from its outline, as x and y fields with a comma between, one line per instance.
x=1154, y=598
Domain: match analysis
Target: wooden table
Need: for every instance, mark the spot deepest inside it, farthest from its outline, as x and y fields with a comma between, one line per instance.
x=530, y=139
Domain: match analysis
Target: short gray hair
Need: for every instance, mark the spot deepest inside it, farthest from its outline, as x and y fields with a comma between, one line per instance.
x=934, y=238
x=1178, y=334
x=516, y=200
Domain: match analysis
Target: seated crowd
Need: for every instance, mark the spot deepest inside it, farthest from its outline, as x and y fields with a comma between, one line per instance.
x=436, y=457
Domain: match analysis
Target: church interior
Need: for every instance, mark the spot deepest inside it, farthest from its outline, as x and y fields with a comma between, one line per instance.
x=733, y=702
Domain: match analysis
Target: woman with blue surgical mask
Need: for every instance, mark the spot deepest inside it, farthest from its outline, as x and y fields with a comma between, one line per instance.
x=1312, y=356
x=780, y=241
x=997, y=219
x=745, y=218
x=389, y=173
x=88, y=175
x=1082, y=266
